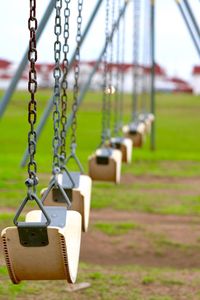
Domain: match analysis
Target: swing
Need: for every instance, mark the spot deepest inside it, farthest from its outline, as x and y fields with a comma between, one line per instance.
x=46, y=245
x=105, y=163
x=117, y=141
x=78, y=190
x=125, y=145
x=136, y=132
x=34, y=251
x=145, y=116
x=148, y=119
x=76, y=185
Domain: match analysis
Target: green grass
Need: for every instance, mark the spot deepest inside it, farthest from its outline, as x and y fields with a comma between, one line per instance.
x=114, y=283
x=6, y=219
x=142, y=199
x=176, y=156
x=148, y=279
x=177, y=153
x=160, y=298
x=7, y=289
x=177, y=128
x=115, y=228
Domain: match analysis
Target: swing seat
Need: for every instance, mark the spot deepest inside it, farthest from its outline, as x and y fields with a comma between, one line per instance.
x=55, y=261
x=151, y=117
x=105, y=165
x=125, y=145
x=135, y=131
x=80, y=195
x=144, y=118
x=148, y=119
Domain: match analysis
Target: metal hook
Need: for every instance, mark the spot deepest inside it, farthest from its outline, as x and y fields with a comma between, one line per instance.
x=73, y=155
x=32, y=196
x=54, y=183
x=69, y=176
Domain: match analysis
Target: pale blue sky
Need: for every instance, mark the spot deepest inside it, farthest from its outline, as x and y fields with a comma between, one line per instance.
x=174, y=48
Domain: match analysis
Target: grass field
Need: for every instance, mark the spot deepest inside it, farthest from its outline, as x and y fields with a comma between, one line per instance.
x=146, y=229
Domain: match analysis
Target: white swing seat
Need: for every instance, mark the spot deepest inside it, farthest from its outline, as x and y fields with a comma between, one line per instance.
x=80, y=195
x=125, y=145
x=151, y=117
x=144, y=118
x=105, y=165
x=136, y=132
x=148, y=119
x=58, y=260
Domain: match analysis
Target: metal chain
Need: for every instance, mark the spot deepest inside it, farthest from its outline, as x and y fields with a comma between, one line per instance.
x=111, y=46
x=136, y=36
x=117, y=95
x=105, y=78
x=123, y=41
x=64, y=85
x=32, y=106
x=56, y=97
x=146, y=58
x=76, y=77
x=110, y=86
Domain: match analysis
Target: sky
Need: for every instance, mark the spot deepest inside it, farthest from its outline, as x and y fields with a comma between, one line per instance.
x=174, y=48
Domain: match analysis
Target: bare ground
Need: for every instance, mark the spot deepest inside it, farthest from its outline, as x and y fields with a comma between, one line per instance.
x=156, y=241
x=159, y=241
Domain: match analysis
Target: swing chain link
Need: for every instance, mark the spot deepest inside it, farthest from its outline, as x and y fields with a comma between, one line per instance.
x=122, y=43
x=64, y=84
x=136, y=37
x=32, y=181
x=117, y=121
x=76, y=77
x=56, y=97
x=146, y=58
x=104, y=133
x=110, y=84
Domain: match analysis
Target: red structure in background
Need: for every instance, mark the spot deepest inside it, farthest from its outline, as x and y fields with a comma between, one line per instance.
x=4, y=64
x=45, y=75
x=182, y=86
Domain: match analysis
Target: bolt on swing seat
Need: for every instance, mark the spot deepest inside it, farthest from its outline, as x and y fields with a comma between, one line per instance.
x=105, y=165
x=136, y=132
x=35, y=250
x=78, y=189
x=125, y=145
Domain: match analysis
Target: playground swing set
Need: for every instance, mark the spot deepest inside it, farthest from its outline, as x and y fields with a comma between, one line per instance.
x=46, y=245
x=76, y=185
x=118, y=141
x=140, y=121
x=105, y=164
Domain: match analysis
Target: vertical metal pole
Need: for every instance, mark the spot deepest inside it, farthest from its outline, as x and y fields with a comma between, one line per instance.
x=188, y=26
x=49, y=107
x=10, y=90
x=152, y=41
